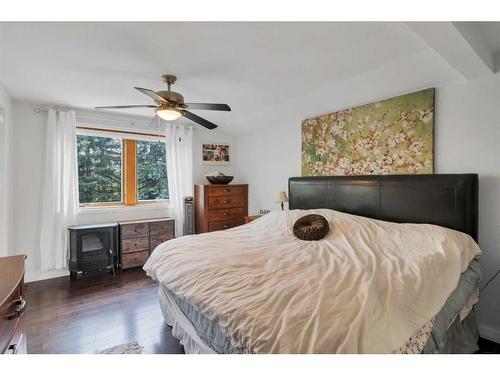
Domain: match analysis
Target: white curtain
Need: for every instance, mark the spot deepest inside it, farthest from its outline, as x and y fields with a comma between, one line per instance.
x=60, y=189
x=179, y=142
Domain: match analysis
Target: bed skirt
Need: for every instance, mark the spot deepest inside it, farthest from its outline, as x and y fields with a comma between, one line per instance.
x=459, y=338
x=182, y=329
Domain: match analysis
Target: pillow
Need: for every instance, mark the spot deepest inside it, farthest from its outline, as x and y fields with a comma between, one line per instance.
x=311, y=227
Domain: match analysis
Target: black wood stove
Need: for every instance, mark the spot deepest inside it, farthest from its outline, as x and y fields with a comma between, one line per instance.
x=93, y=248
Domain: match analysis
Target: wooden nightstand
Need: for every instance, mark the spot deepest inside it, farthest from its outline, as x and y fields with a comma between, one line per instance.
x=251, y=218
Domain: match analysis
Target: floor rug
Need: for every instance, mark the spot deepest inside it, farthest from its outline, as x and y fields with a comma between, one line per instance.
x=132, y=347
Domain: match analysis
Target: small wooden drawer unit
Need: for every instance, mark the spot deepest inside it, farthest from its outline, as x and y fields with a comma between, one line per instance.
x=12, y=305
x=219, y=207
x=139, y=238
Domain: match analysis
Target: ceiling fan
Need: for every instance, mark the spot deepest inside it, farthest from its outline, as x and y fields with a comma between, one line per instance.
x=169, y=105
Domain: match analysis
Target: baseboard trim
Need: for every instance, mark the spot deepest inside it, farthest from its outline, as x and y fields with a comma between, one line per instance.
x=37, y=276
x=489, y=333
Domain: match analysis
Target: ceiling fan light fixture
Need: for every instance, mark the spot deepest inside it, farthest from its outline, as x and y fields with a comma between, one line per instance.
x=168, y=114
x=169, y=105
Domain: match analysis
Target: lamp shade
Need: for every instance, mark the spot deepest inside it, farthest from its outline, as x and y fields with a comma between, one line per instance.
x=281, y=197
x=168, y=114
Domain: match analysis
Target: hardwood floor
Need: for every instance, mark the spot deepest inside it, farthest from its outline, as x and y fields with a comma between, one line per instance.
x=101, y=311
x=96, y=312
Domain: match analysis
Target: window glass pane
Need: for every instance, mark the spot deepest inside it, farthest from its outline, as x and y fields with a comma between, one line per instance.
x=99, y=169
x=152, y=182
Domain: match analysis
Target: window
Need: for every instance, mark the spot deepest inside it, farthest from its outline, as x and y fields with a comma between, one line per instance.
x=152, y=183
x=99, y=169
x=114, y=169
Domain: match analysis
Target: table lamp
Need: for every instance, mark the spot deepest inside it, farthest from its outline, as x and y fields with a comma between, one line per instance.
x=282, y=198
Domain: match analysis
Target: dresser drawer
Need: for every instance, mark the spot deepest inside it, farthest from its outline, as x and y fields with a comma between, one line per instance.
x=18, y=344
x=225, y=191
x=134, y=230
x=135, y=244
x=221, y=225
x=135, y=259
x=156, y=240
x=162, y=228
x=226, y=202
x=8, y=326
x=226, y=214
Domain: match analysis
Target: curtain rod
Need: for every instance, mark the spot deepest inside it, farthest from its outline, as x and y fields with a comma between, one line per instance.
x=113, y=118
x=94, y=128
x=89, y=113
x=88, y=116
x=120, y=131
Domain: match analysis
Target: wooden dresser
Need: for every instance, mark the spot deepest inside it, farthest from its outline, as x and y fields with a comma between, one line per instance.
x=219, y=207
x=12, y=305
x=139, y=238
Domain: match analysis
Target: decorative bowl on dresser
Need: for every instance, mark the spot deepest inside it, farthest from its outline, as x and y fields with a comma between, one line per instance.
x=219, y=207
x=220, y=179
x=93, y=247
x=12, y=305
x=139, y=238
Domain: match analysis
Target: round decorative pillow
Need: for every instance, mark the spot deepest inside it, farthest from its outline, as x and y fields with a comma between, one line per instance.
x=311, y=227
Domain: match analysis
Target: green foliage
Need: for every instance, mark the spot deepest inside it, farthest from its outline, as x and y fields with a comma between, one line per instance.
x=152, y=179
x=99, y=169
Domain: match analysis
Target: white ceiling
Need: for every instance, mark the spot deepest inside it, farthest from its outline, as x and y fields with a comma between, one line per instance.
x=250, y=66
x=490, y=31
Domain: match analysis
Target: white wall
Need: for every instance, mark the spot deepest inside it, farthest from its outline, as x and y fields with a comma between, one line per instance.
x=467, y=131
x=28, y=142
x=467, y=139
x=202, y=135
x=5, y=171
x=271, y=153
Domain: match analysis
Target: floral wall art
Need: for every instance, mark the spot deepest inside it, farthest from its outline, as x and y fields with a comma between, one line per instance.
x=392, y=136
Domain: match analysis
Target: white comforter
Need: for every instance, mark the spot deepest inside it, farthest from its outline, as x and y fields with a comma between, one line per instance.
x=365, y=288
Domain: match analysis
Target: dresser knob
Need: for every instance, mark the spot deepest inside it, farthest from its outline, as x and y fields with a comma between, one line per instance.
x=21, y=307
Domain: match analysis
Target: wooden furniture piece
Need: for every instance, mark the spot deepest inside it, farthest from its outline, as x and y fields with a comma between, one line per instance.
x=219, y=207
x=12, y=305
x=249, y=219
x=93, y=248
x=139, y=238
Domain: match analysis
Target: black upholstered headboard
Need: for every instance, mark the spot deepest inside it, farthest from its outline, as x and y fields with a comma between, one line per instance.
x=449, y=200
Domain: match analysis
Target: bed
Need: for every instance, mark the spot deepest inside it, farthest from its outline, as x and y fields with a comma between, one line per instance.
x=397, y=273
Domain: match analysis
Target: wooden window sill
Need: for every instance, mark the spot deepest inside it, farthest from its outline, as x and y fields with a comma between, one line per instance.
x=122, y=207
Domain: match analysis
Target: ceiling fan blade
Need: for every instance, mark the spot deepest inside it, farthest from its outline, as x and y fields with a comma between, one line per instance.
x=151, y=94
x=208, y=106
x=126, y=106
x=207, y=124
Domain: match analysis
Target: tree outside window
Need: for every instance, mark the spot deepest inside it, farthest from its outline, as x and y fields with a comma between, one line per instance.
x=102, y=162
